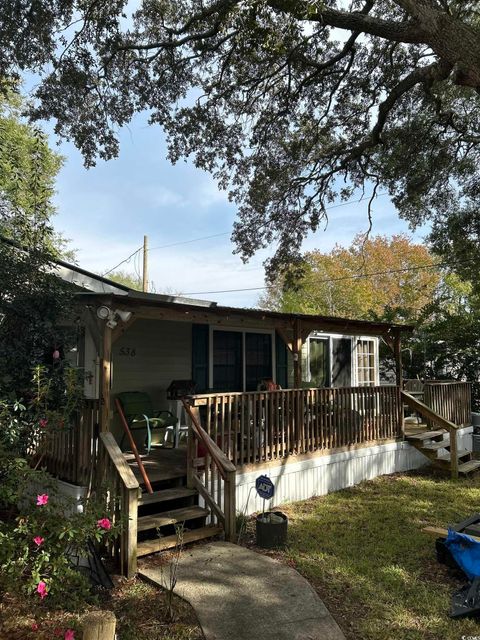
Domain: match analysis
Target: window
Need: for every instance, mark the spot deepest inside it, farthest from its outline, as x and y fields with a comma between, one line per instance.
x=319, y=361
x=366, y=363
x=240, y=360
x=258, y=359
x=227, y=361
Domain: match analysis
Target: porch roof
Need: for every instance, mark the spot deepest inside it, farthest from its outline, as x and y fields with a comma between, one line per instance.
x=159, y=306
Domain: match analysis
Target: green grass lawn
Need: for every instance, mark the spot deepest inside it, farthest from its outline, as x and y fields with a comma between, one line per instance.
x=364, y=552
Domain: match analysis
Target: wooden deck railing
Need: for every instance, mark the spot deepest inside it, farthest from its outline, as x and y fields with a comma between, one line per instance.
x=115, y=482
x=211, y=473
x=452, y=400
x=437, y=420
x=69, y=453
x=268, y=425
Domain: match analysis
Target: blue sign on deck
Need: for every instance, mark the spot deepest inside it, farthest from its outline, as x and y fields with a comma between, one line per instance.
x=264, y=487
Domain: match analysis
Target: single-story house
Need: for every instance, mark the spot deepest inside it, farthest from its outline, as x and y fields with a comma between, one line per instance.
x=326, y=424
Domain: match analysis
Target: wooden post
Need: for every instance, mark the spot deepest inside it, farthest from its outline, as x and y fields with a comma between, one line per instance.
x=99, y=625
x=129, y=551
x=453, y=453
x=297, y=355
x=397, y=347
x=397, y=350
x=145, y=264
x=106, y=379
x=191, y=454
x=230, y=507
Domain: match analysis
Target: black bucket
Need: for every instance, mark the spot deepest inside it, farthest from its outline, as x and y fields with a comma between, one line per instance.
x=271, y=529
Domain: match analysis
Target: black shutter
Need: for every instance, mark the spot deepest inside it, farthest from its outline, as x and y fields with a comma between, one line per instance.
x=200, y=356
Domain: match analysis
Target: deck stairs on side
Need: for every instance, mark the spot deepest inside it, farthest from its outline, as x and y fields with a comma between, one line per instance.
x=435, y=445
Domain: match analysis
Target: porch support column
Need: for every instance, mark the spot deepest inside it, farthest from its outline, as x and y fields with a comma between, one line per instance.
x=397, y=350
x=297, y=355
x=106, y=369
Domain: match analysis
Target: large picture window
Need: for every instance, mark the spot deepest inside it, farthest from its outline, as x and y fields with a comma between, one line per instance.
x=258, y=359
x=240, y=360
x=227, y=361
x=366, y=363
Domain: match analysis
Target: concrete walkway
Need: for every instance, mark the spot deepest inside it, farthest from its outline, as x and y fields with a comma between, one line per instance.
x=238, y=594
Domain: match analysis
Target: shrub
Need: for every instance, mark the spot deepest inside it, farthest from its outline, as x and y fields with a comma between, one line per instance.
x=40, y=532
x=52, y=403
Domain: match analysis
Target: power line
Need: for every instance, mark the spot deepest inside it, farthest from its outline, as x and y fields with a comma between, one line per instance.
x=175, y=244
x=224, y=233
x=120, y=263
x=329, y=280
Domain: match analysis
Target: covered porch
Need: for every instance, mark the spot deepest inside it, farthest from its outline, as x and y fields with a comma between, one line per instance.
x=143, y=342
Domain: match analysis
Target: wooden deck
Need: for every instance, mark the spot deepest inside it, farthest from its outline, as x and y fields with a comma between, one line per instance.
x=160, y=464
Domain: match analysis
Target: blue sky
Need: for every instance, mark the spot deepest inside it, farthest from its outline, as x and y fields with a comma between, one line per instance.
x=106, y=211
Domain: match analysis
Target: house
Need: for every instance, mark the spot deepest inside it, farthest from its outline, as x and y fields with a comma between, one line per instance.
x=328, y=425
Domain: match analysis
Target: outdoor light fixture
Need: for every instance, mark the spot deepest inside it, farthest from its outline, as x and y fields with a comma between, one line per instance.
x=113, y=316
x=123, y=315
x=103, y=312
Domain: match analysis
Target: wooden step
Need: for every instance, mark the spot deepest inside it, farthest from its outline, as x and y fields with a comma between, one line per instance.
x=460, y=454
x=426, y=435
x=166, y=494
x=469, y=467
x=168, y=542
x=438, y=444
x=170, y=517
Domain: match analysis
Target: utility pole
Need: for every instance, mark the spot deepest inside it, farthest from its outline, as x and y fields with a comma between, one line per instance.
x=145, y=264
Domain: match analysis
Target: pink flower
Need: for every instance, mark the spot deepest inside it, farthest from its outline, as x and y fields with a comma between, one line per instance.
x=42, y=589
x=69, y=634
x=43, y=422
x=34, y=626
x=104, y=523
x=42, y=499
x=38, y=540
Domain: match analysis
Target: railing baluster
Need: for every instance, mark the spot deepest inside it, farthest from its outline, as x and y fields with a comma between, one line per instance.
x=242, y=429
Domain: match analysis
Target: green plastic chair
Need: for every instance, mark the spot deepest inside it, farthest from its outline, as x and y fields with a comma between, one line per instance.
x=139, y=413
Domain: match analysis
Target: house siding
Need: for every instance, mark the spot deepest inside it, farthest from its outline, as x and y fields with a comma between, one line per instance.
x=150, y=355
x=319, y=475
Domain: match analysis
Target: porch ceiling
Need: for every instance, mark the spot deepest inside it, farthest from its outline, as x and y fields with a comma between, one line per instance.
x=161, y=307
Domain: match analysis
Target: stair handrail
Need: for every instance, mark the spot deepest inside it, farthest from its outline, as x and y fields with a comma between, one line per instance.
x=442, y=422
x=225, y=467
x=112, y=468
x=133, y=446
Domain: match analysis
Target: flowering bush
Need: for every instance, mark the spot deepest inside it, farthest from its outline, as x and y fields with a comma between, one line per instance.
x=36, y=545
x=41, y=530
x=49, y=407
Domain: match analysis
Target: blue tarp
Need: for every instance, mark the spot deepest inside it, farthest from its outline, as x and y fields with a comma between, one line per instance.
x=465, y=551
